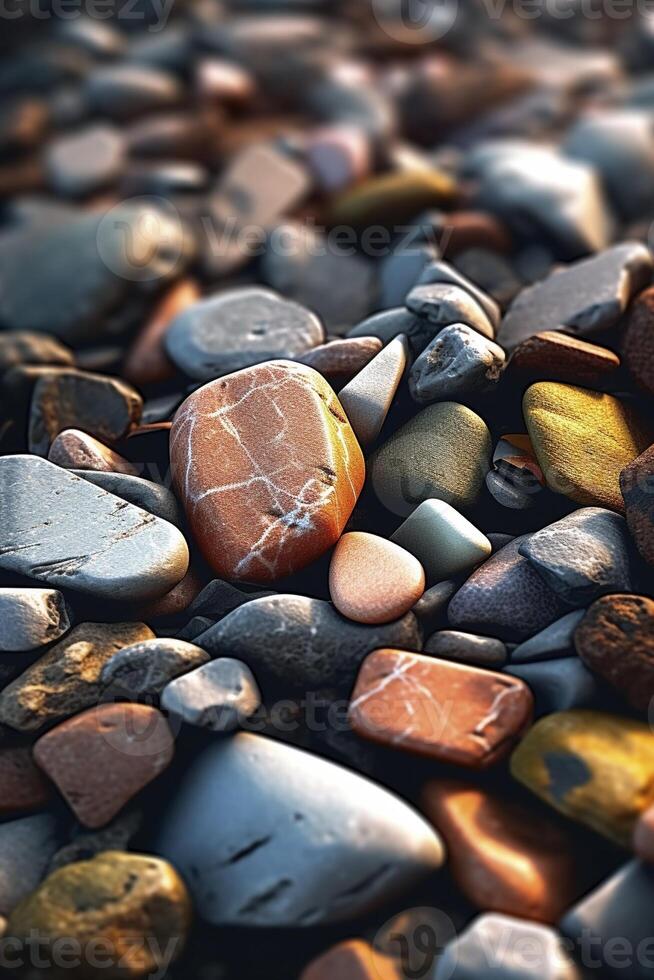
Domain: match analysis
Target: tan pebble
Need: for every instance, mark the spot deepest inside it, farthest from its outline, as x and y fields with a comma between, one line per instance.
x=372, y=580
x=76, y=450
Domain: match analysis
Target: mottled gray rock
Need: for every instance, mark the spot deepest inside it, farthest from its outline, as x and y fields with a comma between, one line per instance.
x=86, y=844
x=458, y=361
x=467, y=648
x=153, y=497
x=31, y=618
x=62, y=530
x=26, y=847
x=300, y=642
x=558, y=685
x=298, y=840
x=444, y=272
x=583, y=556
x=445, y=303
x=85, y=161
x=144, y=669
x=219, y=696
x=238, y=328
x=584, y=298
x=553, y=642
x=195, y=627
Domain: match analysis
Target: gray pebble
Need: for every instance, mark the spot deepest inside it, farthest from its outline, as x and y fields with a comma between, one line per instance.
x=400, y=271
x=218, y=598
x=458, y=361
x=219, y=695
x=467, y=648
x=144, y=669
x=391, y=323
x=26, y=847
x=444, y=272
x=124, y=91
x=86, y=161
x=153, y=497
x=431, y=608
x=195, y=627
x=551, y=643
x=443, y=304
x=31, y=618
x=507, y=494
x=558, y=685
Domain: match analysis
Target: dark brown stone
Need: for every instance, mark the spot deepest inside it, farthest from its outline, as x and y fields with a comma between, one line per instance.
x=637, y=487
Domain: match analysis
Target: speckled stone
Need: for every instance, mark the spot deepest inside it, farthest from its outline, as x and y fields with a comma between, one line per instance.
x=340, y=360
x=26, y=847
x=367, y=398
x=218, y=695
x=637, y=488
x=443, y=304
x=444, y=541
x=76, y=450
x=101, y=758
x=373, y=580
x=142, y=670
x=291, y=469
x=265, y=863
x=23, y=787
x=442, y=452
x=555, y=356
x=458, y=361
x=467, y=648
x=594, y=767
x=583, y=440
x=445, y=711
x=505, y=597
x=134, y=908
x=31, y=618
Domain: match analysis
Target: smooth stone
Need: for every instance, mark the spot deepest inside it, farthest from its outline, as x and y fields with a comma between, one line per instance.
x=85, y=161
x=615, y=640
x=391, y=323
x=593, y=767
x=341, y=360
x=146, y=361
x=298, y=642
x=506, y=493
x=68, y=399
x=23, y=787
x=555, y=356
x=219, y=695
x=290, y=470
x=367, y=398
x=431, y=608
x=503, y=856
x=23, y=347
x=299, y=841
x=163, y=179
x=467, y=648
x=506, y=948
x=400, y=271
x=443, y=452
x=443, y=540
x=372, y=580
x=558, y=685
x=584, y=555
x=584, y=298
x=90, y=905
x=637, y=486
x=64, y=531
x=123, y=91
x=555, y=641
x=218, y=598
x=458, y=361
x=67, y=679
x=445, y=711
x=391, y=199
x=614, y=921
x=73, y=448
x=444, y=303
x=443, y=272
x=142, y=670
x=153, y=497
x=26, y=846
x=493, y=273
x=31, y=618
x=352, y=959
x=101, y=758
x=195, y=627
x=505, y=597
x=337, y=156
x=583, y=440
x=239, y=328
x=637, y=344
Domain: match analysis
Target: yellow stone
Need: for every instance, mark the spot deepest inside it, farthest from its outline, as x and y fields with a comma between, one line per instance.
x=393, y=198
x=594, y=767
x=583, y=439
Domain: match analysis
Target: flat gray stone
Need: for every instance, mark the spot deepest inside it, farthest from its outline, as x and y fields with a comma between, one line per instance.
x=558, y=685
x=238, y=328
x=62, y=530
x=267, y=835
x=444, y=541
x=444, y=272
x=219, y=695
x=583, y=556
x=367, y=398
x=458, y=361
x=26, y=847
x=144, y=669
x=467, y=648
x=444, y=303
x=31, y=618
x=553, y=642
x=153, y=497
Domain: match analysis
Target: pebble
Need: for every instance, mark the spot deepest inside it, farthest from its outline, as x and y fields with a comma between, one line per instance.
x=584, y=298
x=219, y=695
x=446, y=711
x=467, y=648
x=300, y=642
x=505, y=597
x=26, y=847
x=637, y=344
x=615, y=640
x=31, y=618
x=391, y=323
x=367, y=398
x=458, y=361
x=218, y=598
x=503, y=856
x=555, y=356
x=131, y=912
x=558, y=684
x=290, y=476
x=442, y=452
x=341, y=360
x=123, y=91
x=337, y=156
x=84, y=844
x=23, y=786
x=442, y=539
x=584, y=555
x=444, y=304
x=66, y=399
x=636, y=482
x=593, y=767
x=76, y=450
x=583, y=440
x=506, y=948
x=153, y=497
x=443, y=272
x=62, y=530
x=23, y=347
x=300, y=841
x=400, y=271
x=140, y=671
x=643, y=839
x=555, y=641
x=146, y=361
x=101, y=758
x=86, y=161
x=431, y=608
x=352, y=959
x=372, y=580
x=392, y=199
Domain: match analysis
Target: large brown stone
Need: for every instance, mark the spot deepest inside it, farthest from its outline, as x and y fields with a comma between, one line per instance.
x=268, y=468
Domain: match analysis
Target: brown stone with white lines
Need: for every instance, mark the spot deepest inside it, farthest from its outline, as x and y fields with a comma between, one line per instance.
x=268, y=468
x=446, y=711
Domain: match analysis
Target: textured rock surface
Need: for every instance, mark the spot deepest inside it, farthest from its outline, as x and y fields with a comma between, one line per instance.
x=218, y=695
x=458, y=361
x=340, y=360
x=637, y=487
x=142, y=670
x=638, y=341
x=153, y=497
x=443, y=304
x=467, y=648
x=31, y=618
x=290, y=469
x=23, y=347
x=75, y=450
x=555, y=356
